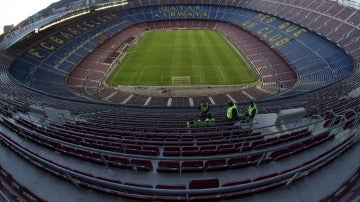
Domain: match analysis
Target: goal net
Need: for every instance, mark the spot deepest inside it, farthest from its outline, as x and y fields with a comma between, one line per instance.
x=180, y=80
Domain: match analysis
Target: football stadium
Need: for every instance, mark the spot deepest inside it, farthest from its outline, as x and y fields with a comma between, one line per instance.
x=183, y=100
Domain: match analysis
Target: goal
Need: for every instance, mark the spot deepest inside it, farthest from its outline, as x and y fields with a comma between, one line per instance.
x=180, y=80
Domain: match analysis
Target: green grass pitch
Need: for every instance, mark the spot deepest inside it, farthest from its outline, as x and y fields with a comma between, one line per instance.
x=182, y=57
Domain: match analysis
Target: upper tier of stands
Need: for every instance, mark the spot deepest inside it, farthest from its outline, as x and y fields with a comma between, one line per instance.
x=338, y=24
x=318, y=61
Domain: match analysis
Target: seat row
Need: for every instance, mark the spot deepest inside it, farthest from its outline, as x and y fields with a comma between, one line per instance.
x=139, y=161
x=202, y=148
x=197, y=188
x=16, y=190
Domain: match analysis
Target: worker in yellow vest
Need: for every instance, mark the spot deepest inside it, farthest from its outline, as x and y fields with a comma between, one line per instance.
x=204, y=108
x=251, y=112
x=232, y=113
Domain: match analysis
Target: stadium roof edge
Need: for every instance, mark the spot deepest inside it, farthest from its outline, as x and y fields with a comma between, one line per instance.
x=13, y=37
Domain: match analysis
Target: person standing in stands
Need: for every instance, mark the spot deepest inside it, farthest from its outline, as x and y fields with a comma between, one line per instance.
x=232, y=113
x=251, y=112
x=204, y=108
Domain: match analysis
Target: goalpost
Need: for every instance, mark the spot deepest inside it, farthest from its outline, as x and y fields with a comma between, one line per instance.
x=180, y=80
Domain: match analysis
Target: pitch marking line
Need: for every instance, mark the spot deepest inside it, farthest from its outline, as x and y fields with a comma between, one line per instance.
x=141, y=73
x=166, y=67
x=124, y=63
x=221, y=72
x=201, y=79
x=197, y=76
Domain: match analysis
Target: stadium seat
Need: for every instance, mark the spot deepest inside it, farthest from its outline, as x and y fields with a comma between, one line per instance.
x=150, y=150
x=117, y=161
x=208, y=150
x=168, y=166
x=238, y=162
x=141, y=164
x=226, y=148
x=215, y=164
x=192, y=166
x=190, y=150
x=171, y=151
x=204, y=183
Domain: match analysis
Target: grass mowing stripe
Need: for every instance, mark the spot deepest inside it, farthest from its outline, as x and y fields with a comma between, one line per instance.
x=221, y=54
x=199, y=57
x=188, y=71
x=215, y=60
x=229, y=58
x=175, y=56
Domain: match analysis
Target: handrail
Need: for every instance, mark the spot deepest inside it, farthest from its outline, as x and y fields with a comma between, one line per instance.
x=214, y=134
x=229, y=155
x=4, y=197
x=117, y=186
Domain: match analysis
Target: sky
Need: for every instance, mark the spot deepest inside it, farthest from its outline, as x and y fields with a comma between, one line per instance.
x=15, y=11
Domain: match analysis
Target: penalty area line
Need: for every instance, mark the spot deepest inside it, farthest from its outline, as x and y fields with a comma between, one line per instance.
x=221, y=73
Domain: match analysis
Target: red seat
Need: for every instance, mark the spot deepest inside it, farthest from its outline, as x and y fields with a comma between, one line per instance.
x=117, y=161
x=208, y=149
x=142, y=164
x=253, y=159
x=238, y=162
x=187, y=138
x=172, y=139
x=168, y=166
x=150, y=151
x=133, y=149
x=278, y=154
x=171, y=197
x=204, y=183
x=190, y=150
x=171, y=151
x=202, y=138
x=272, y=140
x=192, y=166
x=349, y=124
x=226, y=148
x=258, y=143
x=215, y=164
x=243, y=146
